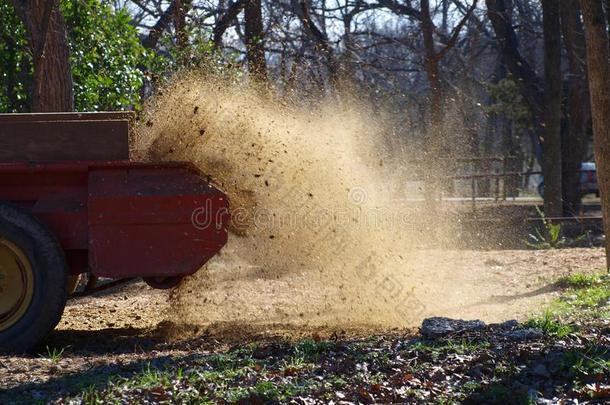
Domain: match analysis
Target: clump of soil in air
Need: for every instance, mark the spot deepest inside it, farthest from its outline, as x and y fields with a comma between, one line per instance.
x=320, y=236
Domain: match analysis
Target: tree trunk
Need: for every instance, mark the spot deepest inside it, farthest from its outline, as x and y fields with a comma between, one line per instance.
x=484, y=183
x=302, y=10
x=608, y=20
x=573, y=142
x=530, y=86
x=511, y=146
x=599, y=76
x=181, y=8
x=255, y=47
x=433, y=142
x=431, y=63
x=552, y=109
x=52, y=88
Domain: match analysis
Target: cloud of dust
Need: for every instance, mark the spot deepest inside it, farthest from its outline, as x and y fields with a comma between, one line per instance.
x=321, y=235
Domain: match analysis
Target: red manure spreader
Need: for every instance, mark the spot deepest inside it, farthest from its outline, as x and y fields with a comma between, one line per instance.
x=72, y=202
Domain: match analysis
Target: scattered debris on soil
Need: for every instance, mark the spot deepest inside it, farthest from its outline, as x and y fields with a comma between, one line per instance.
x=482, y=365
x=562, y=354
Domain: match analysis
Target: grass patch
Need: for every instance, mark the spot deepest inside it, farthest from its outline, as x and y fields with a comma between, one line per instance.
x=312, y=348
x=54, y=354
x=501, y=393
x=265, y=391
x=195, y=386
x=215, y=377
x=581, y=280
x=462, y=346
x=591, y=361
x=586, y=296
x=550, y=324
x=310, y=351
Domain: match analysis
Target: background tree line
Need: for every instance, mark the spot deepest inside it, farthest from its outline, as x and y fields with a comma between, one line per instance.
x=462, y=77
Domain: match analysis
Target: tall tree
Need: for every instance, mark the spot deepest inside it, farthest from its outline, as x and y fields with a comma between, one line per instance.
x=52, y=88
x=431, y=61
x=577, y=108
x=435, y=143
x=552, y=109
x=433, y=55
x=529, y=84
x=255, y=47
x=543, y=98
x=598, y=62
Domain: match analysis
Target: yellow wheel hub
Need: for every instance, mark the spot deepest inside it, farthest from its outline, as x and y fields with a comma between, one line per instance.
x=16, y=284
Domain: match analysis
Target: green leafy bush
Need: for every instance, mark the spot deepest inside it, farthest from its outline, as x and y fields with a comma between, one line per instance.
x=106, y=57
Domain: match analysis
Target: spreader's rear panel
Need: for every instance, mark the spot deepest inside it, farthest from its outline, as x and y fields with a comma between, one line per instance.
x=153, y=222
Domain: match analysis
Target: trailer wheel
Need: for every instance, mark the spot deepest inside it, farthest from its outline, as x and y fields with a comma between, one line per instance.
x=33, y=280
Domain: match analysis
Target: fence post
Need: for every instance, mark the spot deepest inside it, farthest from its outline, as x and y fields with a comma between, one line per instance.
x=474, y=193
x=504, y=177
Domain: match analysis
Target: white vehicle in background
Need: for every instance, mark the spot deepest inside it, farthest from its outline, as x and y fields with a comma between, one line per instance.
x=588, y=180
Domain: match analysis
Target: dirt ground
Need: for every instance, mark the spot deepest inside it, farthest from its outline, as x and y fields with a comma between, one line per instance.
x=494, y=286
x=125, y=328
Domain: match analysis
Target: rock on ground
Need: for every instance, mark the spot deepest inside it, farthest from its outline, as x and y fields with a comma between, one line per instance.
x=436, y=327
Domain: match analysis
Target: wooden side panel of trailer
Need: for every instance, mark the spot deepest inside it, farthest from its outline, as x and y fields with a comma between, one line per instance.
x=64, y=137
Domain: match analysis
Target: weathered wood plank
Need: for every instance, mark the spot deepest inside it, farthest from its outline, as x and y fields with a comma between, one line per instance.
x=44, y=138
x=67, y=116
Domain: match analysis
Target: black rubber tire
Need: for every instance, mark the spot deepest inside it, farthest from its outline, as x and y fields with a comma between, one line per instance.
x=50, y=279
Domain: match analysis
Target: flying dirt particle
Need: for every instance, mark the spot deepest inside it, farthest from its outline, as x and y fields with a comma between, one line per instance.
x=202, y=132
x=196, y=109
x=334, y=260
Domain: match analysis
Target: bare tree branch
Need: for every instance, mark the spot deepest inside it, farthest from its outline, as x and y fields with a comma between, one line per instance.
x=162, y=23
x=456, y=31
x=224, y=21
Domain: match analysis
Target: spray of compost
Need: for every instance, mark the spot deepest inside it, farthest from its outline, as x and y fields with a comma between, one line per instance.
x=320, y=234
